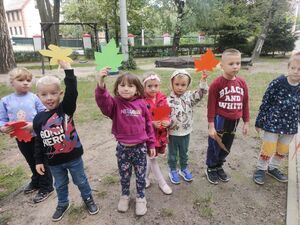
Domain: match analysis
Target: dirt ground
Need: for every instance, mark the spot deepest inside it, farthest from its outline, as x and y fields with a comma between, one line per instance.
x=239, y=201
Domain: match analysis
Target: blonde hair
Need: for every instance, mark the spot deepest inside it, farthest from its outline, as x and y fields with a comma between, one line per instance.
x=230, y=51
x=19, y=73
x=48, y=80
x=294, y=56
x=151, y=75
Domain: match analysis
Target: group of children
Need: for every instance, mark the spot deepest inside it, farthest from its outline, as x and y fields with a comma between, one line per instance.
x=56, y=149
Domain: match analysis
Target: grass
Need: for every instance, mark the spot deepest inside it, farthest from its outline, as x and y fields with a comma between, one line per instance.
x=75, y=214
x=5, y=218
x=10, y=179
x=166, y=212
x=109, y=179
x=203, y=205
x=101, y=194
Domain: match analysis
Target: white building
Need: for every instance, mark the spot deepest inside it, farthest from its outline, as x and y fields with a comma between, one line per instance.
x=23, y=18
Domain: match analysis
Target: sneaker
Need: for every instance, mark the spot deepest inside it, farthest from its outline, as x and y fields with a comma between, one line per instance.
x=29, y=189
x=41, y=196
x=91, y=206
x=278, y=175
x=173, y=175
x=212, y=175
x=165, y=189
x=222, y=175
x=123, y=204
x=140, y=206
x=259, y=176
x=148, y=183
x=60, y=212
x=186, y=174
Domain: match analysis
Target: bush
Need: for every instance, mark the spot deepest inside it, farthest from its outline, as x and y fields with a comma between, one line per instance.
x=27, y=57
x=89, y=53
x=129, y=65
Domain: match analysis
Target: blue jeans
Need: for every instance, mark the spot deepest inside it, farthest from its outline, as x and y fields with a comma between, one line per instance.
x=61, y=178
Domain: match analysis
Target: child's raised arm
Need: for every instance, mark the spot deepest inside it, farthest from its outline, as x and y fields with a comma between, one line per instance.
x=64, y=65
x=102, y=73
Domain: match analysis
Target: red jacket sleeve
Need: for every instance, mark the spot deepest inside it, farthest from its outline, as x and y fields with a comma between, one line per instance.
x=212, y=102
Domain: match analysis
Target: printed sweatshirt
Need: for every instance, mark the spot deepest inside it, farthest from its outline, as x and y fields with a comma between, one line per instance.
x=280, y=109
x=131, y=120
x=15, y=107
x=228, y=98
x=57, y=137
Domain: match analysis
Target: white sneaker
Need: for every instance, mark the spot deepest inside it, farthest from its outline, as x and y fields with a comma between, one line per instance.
x=140, y=206
x=123, y=204
x=148, y=183
x=165, y=189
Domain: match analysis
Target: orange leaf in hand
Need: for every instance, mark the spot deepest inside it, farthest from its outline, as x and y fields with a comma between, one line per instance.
x=206, y=62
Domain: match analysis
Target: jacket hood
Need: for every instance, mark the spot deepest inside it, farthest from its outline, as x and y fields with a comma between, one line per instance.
x=177, y=72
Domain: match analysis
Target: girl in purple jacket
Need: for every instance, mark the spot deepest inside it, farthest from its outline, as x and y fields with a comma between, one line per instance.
x=132, y=127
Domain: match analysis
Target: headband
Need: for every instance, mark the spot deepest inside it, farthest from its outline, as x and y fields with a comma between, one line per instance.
x=151, y=77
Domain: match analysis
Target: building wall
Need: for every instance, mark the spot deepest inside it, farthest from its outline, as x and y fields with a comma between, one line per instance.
x=24, y=22
x=31, y=19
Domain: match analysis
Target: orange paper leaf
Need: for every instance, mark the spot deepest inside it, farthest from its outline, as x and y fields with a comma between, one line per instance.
x=206, y=62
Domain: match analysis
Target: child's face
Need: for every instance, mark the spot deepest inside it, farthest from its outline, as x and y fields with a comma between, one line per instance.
x=294, y=71
x=152, y=87
x=231, y=65
x=21, y=84
x=180, y=84
x=50, y=95
x=126, y=90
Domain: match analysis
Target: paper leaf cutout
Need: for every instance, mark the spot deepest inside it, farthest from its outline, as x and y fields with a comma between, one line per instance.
x=21, y=135
x=56, y=53
x=206, y=62
x=161, y=113
x=109, y=57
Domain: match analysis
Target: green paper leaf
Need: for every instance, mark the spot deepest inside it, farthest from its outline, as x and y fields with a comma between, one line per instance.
x=109, y=57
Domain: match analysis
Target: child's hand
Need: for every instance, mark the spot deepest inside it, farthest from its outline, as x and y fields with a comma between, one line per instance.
x=40, y=169
x=28, y=127
x=156, y=124
x=245, y=128
x=64, y=65
x=152, y=152
x=6, y=129
x=165, y=123
x=204, y=75
x=103, y=73
x=212, y=133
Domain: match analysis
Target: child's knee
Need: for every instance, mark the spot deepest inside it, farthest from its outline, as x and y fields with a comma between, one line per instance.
x=282, y=149
x=267, y=149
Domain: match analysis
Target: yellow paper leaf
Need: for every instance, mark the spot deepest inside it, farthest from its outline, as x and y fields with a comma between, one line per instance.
x=56, y=53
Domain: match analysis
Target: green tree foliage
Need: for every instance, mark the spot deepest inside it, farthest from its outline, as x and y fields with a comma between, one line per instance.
x=280, y=37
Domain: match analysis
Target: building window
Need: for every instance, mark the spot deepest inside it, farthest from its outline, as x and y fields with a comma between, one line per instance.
x=13, y=16
x=17, y=13
x=8, y=17
x=16, y=31
x=11, y=31
x=20, y=30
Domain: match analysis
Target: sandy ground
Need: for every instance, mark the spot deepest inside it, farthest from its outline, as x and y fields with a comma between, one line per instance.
x=239, y=201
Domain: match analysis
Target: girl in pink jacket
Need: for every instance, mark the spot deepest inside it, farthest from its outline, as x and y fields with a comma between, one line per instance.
x=156, y=99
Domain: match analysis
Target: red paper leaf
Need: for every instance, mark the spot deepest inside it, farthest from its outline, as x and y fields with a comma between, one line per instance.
x=161, y=113
x=21, y=135
x=206, y=62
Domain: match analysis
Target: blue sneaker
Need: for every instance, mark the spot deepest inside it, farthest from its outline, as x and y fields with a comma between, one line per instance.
x=173, y=175
x=186, y=174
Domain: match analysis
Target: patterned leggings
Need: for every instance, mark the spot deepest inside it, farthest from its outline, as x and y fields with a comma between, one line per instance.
x=274, y=148
x=132, y=156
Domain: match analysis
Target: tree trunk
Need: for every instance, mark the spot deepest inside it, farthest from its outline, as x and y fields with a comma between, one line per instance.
x=7, y=60
x=51, y=32
x=117, y=24
x=261, y=39
x=177, y=34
